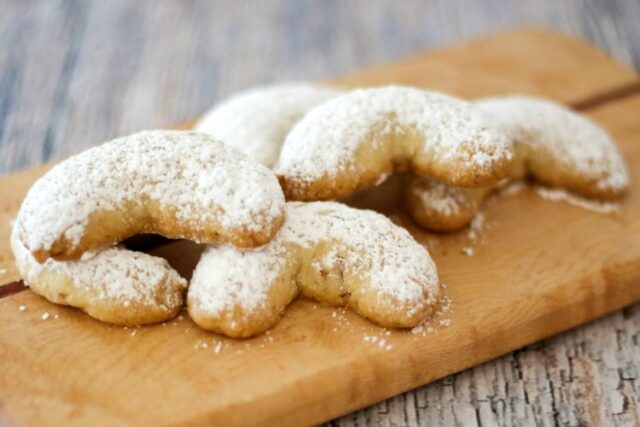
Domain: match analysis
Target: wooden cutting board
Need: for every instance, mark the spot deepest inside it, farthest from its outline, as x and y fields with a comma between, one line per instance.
x=538, y=268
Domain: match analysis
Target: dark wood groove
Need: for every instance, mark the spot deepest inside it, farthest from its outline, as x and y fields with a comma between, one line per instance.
x=611, y=95
x=12, y=288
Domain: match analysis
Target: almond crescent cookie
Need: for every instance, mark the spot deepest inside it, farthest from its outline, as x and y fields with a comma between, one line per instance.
x=114, y=285
x=326, y=251
x=553, y=145
x=352, y=141
x=257, y=121
x=174, y=183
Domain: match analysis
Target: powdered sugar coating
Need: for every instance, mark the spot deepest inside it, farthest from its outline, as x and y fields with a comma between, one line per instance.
x=200, y=179
x=317, y=239
x=453, y=132
x=573, y=141
x=256, y=121
x=114, y=276
x=443, y=199
x=226, y=277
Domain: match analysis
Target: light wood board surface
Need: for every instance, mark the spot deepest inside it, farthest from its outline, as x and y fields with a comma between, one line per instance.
x=538, y=268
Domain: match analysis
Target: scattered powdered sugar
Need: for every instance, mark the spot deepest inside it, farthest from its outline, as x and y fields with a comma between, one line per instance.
x=45, y=316
x=113, y=274
x=203, y=180
x=558, y=194
x=257, y=121
x=22, y=308
x=511, y=188
x=379, y=341
x=217, y=346
x=3, y=271
x=476, y=227
x=569, y=140
x=422, y=329
x=201, y=345
x=474, y=234
x=340, y=320
x=362, y=244
x=455, y=132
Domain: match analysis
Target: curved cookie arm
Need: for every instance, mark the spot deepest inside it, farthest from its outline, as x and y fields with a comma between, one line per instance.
x=257, y=121
x=350, y=142
x=176, y=184
x=114, y=285
x=559, y=147
x=241, y=292
x=326, y=251
x=553, y=145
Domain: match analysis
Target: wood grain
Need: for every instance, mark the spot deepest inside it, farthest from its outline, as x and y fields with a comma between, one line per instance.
x=516, y=289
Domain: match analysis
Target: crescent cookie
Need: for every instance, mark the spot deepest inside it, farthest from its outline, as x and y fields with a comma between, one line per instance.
x=174, y=183
x=352, y=141
x=326, y=251
x=553, y=145
x=257, y=121
x=114, y=285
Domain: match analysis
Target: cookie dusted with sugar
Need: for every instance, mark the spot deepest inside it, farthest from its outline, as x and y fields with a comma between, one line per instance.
x=114, y=285
x=326, y=251
x=176, y=184
x=257, y=121
x=353, y=141
x=553, y=145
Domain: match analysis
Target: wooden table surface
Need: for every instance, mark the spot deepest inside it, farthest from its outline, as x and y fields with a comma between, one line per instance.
x=74, y=73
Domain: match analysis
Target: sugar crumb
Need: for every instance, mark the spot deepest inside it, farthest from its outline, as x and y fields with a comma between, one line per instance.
x=561, y=195
x=512, y=188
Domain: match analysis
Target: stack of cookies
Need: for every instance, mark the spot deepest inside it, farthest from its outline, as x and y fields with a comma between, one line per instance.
x=225, y=186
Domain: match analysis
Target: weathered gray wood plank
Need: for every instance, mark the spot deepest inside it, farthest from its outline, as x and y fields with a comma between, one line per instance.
x=73, y=73
x=588, y=376
x=77, y=72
